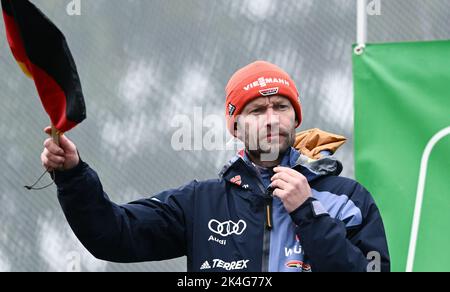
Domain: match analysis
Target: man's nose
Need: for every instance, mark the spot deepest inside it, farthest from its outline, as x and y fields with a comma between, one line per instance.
x=272, y=118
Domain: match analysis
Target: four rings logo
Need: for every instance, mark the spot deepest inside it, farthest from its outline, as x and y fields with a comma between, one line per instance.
x=227, y=228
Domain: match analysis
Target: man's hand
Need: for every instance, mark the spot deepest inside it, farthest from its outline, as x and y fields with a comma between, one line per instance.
x=63, y=157
x=291, y=187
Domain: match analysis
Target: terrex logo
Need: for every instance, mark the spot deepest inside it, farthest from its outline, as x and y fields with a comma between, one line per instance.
x=205, y=266
x=227, y=228
x=263, y=82
x=227, y=266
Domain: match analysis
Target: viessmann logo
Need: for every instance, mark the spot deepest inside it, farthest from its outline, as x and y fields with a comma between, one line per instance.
x=227, y=228
x=263, y=82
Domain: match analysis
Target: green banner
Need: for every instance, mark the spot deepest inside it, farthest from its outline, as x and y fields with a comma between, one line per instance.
x=402, y=147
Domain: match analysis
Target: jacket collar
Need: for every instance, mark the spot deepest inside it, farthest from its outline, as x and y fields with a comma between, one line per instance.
x=240, y=170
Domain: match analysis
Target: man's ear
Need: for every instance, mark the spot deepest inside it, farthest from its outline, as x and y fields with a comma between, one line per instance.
x=236, y=132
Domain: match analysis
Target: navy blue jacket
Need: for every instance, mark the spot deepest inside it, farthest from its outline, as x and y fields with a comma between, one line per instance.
x=226, y=224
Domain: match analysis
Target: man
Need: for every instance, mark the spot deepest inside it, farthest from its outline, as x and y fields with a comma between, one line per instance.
x=272, y=209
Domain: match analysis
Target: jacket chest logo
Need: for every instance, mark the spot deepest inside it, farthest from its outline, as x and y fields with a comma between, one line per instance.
x=237, y=180
x=227, y=228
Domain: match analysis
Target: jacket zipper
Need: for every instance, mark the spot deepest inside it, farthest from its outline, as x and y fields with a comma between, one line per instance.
x=266, y=234
x=268, y=205
x=268, y=222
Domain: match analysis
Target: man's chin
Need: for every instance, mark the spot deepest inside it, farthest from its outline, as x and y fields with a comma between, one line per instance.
x=273, y=148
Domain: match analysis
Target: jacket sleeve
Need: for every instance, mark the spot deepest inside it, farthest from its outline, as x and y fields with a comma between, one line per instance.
x=330, y=246
x=145, y=230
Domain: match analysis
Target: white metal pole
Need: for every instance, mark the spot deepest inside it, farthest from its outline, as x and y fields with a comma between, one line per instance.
x=419, y=196
x=361, y=34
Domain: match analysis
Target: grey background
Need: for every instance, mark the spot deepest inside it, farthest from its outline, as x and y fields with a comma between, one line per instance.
x=143, y=62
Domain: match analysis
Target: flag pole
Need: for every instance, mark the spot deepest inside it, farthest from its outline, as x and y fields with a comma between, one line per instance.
x=361, y=26
x=55, y=135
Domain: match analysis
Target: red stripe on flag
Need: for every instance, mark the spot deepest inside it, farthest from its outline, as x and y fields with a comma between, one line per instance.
x=53, y=98
x=15, y=42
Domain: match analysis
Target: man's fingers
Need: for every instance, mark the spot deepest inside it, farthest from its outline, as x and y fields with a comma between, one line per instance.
x=52, y=157
x=284, y=176
x=48, y=130
x=52, y=165
x=65, y=143
x=53, y=148
x=291, y=175
x=279, y=193
x=51, y=160
x=288, y=170
x=280, y=184
x=49, y=164
x=58, y=160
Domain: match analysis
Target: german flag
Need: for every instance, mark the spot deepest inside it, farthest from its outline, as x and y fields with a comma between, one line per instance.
x=43, y=54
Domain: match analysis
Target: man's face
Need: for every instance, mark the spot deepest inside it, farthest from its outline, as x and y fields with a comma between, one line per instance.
x=267, y=126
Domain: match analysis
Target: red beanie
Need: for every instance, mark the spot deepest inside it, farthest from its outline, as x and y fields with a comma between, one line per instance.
x=258, y=79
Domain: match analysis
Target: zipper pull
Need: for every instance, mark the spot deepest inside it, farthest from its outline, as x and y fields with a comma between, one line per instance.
x=269, y=220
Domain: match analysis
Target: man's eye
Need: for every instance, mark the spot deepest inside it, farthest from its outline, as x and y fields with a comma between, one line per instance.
x=256, y=111
x=282, y=106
